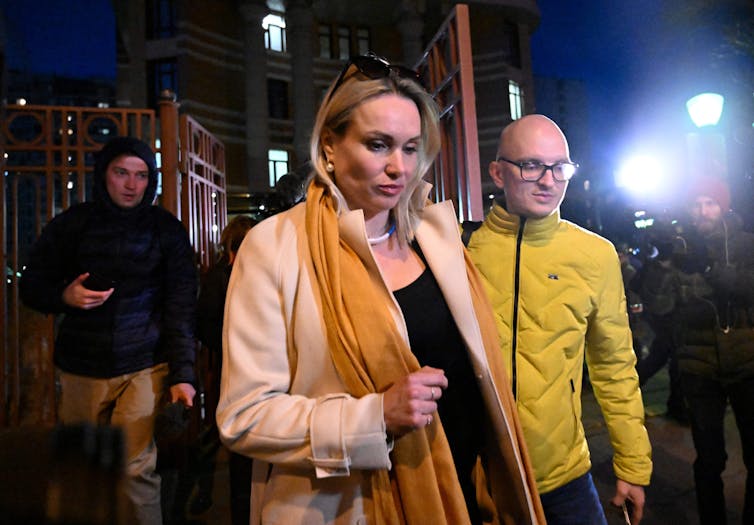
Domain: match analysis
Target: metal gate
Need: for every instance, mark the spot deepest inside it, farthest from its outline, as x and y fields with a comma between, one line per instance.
x=448, y=73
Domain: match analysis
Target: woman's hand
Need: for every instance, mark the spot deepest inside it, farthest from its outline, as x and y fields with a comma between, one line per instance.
x=78, y=296
x=409, y=403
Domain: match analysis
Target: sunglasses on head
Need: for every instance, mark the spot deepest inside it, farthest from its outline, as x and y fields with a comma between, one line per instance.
x=374, y=67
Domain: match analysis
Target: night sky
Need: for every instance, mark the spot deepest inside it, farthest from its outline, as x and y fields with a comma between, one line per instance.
x=639, y=65
x=73, y=39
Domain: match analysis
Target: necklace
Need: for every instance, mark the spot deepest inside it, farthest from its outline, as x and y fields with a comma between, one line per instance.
x=383, y=237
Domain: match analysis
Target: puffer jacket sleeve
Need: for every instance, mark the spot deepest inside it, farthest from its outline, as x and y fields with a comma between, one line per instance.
x=611, y=360
x=259, y=414
x=179, y=307
x=47, y=272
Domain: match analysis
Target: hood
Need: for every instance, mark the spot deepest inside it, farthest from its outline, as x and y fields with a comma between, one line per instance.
x=114, y=148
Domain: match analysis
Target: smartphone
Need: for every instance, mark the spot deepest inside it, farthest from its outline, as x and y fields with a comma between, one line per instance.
x=98, y=283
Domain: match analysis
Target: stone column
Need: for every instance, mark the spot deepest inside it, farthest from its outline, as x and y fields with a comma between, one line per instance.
x=301, y=31
x=255, y=69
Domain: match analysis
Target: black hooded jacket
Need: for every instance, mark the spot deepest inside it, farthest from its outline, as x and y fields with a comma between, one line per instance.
x=149, y=318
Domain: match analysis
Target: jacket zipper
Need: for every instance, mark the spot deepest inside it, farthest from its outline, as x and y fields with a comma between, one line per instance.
x=514, y=324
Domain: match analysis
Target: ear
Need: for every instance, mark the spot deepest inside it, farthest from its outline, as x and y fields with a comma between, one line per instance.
x=496, y=173
x=327, y=142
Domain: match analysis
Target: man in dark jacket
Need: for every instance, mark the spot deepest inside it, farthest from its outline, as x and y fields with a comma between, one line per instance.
x=121, y=272
x=717, y=355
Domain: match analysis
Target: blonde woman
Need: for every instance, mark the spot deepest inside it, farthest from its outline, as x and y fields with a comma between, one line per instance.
x=360, y=365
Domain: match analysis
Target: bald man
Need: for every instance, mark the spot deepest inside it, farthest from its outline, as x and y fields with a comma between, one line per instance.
x=558, y=297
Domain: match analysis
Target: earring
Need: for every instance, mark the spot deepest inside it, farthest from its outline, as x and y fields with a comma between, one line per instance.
x=329, y=167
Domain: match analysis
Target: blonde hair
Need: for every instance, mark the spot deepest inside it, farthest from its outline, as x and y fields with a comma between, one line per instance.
x=335, y=115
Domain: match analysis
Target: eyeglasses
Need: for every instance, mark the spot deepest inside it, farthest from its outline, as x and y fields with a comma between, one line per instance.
x=533, y=170
x=374, y=67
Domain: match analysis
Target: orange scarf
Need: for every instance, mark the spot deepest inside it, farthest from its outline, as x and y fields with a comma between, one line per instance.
x=370, y=355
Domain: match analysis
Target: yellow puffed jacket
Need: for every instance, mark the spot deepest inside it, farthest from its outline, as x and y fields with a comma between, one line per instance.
x=558, y=297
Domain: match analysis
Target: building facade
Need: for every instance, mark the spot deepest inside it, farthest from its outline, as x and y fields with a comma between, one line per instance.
x=254, y=72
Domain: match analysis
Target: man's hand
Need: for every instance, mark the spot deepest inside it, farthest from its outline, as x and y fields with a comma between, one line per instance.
x=634, y=494
x=183, y=392
x=78, y=296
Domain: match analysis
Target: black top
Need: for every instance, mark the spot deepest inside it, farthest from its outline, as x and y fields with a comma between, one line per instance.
x=436, y=342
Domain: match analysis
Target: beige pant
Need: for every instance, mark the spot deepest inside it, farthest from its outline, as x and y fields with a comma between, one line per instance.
x=130, y=402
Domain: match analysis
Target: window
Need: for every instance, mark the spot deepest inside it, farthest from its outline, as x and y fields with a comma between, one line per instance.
x=344, y=43
x=515, y=99
x=325, y=41
x=277, y=98
x=160, y=19
x=278, y=164
x=510, y=45
x=340, y=42
x=362, y=41
x=162, y=74
x=274, y=33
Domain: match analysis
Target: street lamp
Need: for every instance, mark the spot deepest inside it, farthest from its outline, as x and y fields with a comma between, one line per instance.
x=706, y=147
x=705, y=109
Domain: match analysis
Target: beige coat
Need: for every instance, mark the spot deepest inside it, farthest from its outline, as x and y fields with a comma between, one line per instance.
x=282, y=402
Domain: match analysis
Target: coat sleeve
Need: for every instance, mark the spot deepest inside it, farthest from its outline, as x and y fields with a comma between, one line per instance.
x=258, y=415
x=179, y=306
x=46, y=273
x=611, y=361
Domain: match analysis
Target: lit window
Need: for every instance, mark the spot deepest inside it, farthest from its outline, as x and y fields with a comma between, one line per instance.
x=274, y=33
x=278, y=164
x=515, y=98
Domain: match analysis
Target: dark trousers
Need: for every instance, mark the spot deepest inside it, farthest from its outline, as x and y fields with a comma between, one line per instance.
x=707, y=399
x=661, y=352
x=575, y=503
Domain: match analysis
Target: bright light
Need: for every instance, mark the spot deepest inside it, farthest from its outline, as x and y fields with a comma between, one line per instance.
x=643, y=223
x=21, y=101
x=705, y=109
x=639, y=175
x=275, y=20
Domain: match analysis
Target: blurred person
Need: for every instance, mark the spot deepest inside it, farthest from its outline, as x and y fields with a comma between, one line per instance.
x=360, y=362
x=121, y=272
x=558, y=294
x=716, y=357
x=209, y=328
x=658, y=288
